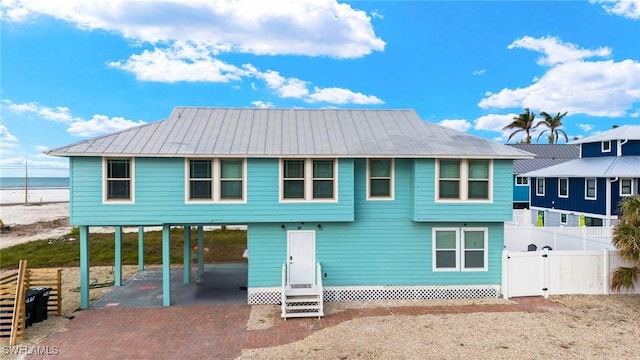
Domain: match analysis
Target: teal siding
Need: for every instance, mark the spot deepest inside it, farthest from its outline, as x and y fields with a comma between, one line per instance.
x=427, y=209
x=381, y=247
x=160, y=197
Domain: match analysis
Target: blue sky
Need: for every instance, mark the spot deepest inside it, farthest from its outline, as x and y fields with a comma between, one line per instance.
x=73, y=69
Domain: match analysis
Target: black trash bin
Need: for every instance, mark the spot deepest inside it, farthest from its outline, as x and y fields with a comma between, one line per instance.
x=46, y=291
x=29, y=306
x=38, y=315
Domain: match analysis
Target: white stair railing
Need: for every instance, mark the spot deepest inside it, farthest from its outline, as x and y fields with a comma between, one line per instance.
x=320, y=289
x=283, y=292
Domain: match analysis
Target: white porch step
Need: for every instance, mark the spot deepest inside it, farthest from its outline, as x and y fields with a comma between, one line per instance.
x=302, y=307
x=304, y=314
x=302, y=299
x=302, y=291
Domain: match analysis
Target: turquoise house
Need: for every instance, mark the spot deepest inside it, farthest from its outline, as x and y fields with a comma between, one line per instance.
x=362, y=204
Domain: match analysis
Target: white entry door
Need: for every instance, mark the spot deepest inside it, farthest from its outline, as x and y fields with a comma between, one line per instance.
x=301, y=254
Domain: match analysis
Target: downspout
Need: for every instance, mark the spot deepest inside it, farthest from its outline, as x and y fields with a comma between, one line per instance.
x=620, y=143
x=608, y=201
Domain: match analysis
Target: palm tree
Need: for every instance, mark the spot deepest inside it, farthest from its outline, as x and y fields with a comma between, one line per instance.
x=626, y=238
x=553, y=125
x=522, y=122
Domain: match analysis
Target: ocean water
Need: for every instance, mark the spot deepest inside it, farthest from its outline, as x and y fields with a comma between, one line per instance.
x=34, y=183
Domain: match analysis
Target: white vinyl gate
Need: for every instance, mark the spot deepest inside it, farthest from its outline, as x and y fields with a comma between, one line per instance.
x=553, y=272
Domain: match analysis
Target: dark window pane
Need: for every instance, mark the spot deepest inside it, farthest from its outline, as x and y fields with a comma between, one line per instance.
x=450, y=169
x=478, y=189
x=445, y=259
x=200, y=169
x=449, y=189
x=118, y=168
x=200, y=190
x=293, y=189
x=231, y=169
x=478, y=169
x=473, y=259
x=473, y=239
x=231, y=189
x=323, y=169
x=380, y=187
x=118, y=189
x=446, y=239
x=380, y=167
x=294, y=169
x=323, y=189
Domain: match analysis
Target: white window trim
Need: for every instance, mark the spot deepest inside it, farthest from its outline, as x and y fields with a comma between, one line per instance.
x=602, y=147
x=566, y=219
x=586, y=193
x=463, y=183
x=308, y=181
x=631, y=187
x=132, y=187
x=391, y=182
x=544, y=186
x=215, y=182
x=460, y=250
x=433, y=251
x=525, y=183
x=559, y=187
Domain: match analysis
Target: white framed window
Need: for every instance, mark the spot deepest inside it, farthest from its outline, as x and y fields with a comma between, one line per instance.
x=605, y=146
x=540, y=185
x=380, y=179
x=590, y=189
x=118, y=185
x=464, y=180
x=563, y=187
x=215, y=180
x=460, y=249
x=308, y=180
x=563, y=218
x=522, y=181
x=626, y=187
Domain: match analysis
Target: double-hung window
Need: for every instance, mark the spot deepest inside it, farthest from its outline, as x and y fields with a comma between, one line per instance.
x=540, y=184
x=563, y=187
x=308, y=179
x=464, y=180
x=380, y=179
x=118, y=180
x=460, y=249
x=626, y=187
x=590, y=189
x=215, y=180
x=522, y=181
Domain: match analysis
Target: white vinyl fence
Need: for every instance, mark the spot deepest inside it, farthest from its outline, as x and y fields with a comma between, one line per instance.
x=557, y=272
x=521, y=217
x=518, y=238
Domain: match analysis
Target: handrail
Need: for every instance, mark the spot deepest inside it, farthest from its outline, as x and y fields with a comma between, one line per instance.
x=283, y=296
x=319, y=285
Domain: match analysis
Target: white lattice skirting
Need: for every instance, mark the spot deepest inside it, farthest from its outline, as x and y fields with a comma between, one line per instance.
x=265, y=296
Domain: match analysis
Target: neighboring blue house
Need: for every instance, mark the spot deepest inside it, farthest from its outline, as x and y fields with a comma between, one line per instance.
x=592, y=186
x=546, y=155
x=389, y=205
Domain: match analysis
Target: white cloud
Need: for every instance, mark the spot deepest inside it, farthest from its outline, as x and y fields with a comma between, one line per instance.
x=456, y=124
x=479, y=72
x=101, y=124
x=262, y=104
x=585, y=127
x=293, y=27
x=376, y=14
x=557, y=52
x=493, y=122
x=6, y=137
x=626, y=8
x=97, y=125
x=336, y=95
x=596, y=88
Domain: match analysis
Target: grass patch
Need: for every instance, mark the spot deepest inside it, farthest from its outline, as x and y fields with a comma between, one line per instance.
x=223, y=246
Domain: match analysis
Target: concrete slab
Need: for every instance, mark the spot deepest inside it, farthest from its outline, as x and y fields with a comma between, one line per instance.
x=221, y=284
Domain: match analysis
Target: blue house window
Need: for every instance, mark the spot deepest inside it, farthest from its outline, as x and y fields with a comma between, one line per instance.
x=463, y=180
x=118, y=184
x=606, y=146
x=380, y=179
x=590, y=189
x=626, y=187
x=308, y=179
x=540, y=186
x=460, y=249
x=563, y=187
x=220, y=180
x=522, y=181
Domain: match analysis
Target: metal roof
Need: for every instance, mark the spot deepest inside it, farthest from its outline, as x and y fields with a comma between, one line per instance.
x=605, y=166
x=628, y=132
x=237, y=132
x=546, y=155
